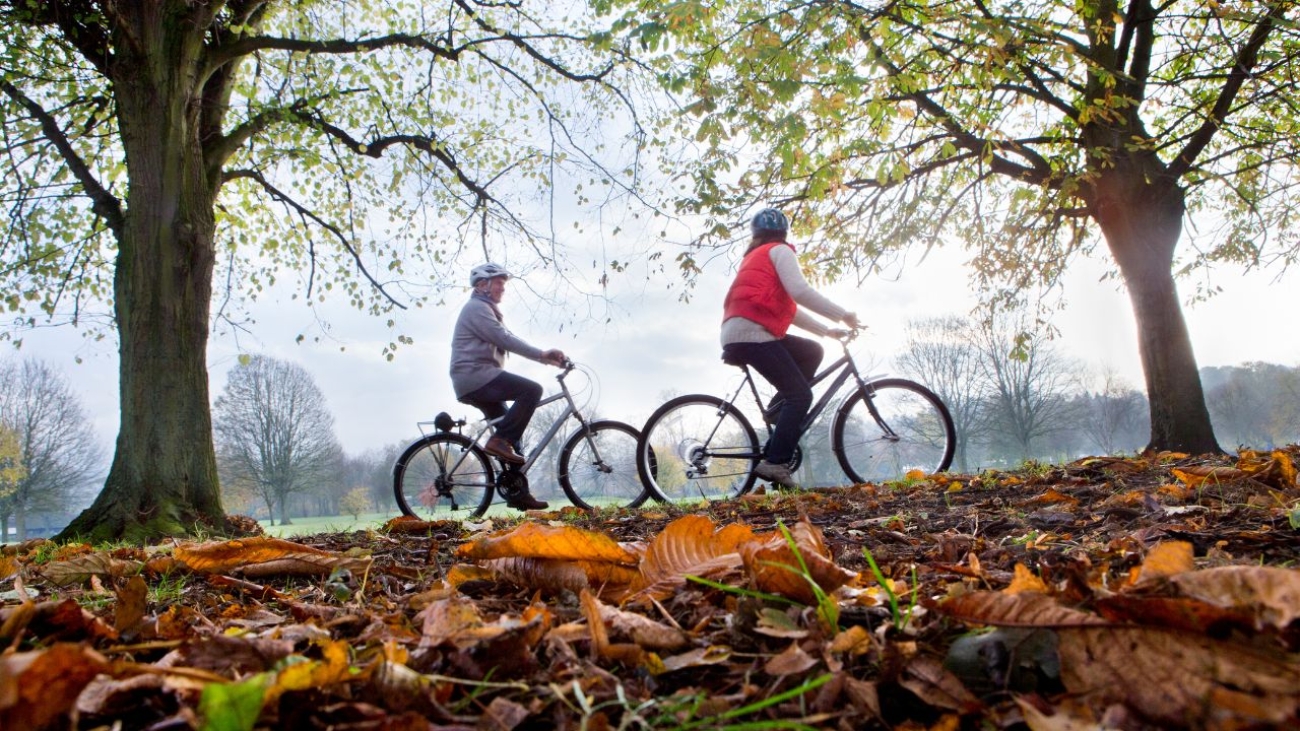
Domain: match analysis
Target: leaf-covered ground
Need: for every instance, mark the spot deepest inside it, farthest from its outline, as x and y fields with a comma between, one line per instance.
x=1155, y=592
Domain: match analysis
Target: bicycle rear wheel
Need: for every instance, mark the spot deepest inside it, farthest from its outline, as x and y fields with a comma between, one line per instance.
x=697, y=447
x=441, y=476
x=892, y=427
x=598, y=467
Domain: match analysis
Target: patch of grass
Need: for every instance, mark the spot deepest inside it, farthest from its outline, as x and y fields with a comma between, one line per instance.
x=687, y=711
x=169, y=588
x=327, y=524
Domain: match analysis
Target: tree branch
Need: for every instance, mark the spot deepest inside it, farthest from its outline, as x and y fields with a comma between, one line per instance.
x=1247, y=58
x=103, y=203
x=310, y=215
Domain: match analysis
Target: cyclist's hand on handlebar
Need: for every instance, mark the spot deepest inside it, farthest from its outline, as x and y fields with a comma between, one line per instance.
x=851, y=319
x=838, y=333
x=554, y=357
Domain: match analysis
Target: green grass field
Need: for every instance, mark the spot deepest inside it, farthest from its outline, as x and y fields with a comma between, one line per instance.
x=327, y=524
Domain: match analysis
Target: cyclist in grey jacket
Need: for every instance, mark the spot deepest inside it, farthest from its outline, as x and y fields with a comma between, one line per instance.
x=479, y=346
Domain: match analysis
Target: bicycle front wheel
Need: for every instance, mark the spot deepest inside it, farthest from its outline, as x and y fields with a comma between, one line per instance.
x=891, y=428
x=441, y=476
x=598, y=467
x=697, y=447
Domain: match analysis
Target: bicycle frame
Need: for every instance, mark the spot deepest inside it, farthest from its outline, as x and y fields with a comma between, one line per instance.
x=847, y=368
x=570, y=411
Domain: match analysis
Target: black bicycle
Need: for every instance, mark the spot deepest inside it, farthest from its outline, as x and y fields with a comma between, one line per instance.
x=447, y=471
x=702, y=446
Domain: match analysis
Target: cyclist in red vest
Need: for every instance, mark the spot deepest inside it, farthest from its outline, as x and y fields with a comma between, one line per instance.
x=767, y=297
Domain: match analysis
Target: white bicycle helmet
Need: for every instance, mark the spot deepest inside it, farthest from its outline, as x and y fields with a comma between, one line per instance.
x=483, y=272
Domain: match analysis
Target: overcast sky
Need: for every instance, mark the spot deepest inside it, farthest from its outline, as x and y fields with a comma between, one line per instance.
x=655, y=344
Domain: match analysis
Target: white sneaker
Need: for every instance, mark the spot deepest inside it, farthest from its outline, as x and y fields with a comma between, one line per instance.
x=777, y=474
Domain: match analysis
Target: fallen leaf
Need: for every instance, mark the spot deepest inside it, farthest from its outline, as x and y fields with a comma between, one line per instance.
x=39, y=687
x=792, y=661
x=263, y=556
x=778, y=568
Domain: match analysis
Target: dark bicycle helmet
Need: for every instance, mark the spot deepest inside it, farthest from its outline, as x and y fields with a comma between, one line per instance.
x=487, y=271
x=769, y=219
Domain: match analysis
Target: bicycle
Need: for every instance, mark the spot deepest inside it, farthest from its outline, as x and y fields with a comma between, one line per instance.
x=447, y=470
x=882, y=430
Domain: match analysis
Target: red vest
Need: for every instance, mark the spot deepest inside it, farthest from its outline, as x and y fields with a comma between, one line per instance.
x=757, y=293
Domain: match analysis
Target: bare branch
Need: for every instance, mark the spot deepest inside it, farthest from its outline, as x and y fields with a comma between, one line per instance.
x=310, y=215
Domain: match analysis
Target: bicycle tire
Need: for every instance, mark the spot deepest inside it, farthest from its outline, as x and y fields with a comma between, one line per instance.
x=441, y=475
x=917, y=432
x=697, y=446
x=611, y=481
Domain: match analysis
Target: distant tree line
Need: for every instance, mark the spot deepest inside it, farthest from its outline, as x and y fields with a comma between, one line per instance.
x=1014, y=397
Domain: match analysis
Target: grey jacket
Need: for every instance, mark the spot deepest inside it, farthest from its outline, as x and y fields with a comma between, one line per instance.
x=479, y=345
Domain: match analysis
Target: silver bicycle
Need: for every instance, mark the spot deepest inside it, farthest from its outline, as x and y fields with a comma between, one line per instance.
x=446, y=471
x=702, y=446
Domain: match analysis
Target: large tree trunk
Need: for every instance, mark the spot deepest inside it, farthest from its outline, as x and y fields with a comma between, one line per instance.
x=163, y=480
x=1141, y=218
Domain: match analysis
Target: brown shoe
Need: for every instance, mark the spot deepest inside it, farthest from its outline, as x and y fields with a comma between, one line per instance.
x=524, y=500
x=501, y=449
x=777, y=474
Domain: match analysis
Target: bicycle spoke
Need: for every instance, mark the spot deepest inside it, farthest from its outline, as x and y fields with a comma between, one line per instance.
x=703, y=450
x=443, y=476
x=598, y=467
x=899, y=429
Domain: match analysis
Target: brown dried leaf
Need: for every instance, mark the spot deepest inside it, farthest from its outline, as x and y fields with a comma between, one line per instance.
x=711, y=655
x=131, y=604
x=552, y=576
x=1271, y=594
x=1171, y=612
x=1275, y=468
x=1027, y=609
x=1171, y=677
x=927, y=678
x=793, y=661
x=263, y=556
x=411, y=525
x=454, y=620
x=531, y=540
x=1025, y=580
x=8, y=567
x=775, y=568
x=38, y=688
x=652, y=635
x=80, y=569
x=690, y=542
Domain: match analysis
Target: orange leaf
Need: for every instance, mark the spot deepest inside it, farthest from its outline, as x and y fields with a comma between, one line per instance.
x=775, y=568
x=1199, y=475
x=1025, y=580
x=531, y=540
x=263, y=556
x=39, y=687
x=688, y=543
x=1166, y=559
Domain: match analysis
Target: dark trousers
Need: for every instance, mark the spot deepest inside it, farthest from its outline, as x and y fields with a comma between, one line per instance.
x=788, y=364
x=523, y=395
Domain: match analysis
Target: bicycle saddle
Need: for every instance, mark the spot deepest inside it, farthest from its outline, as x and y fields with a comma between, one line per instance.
x=443, y=421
